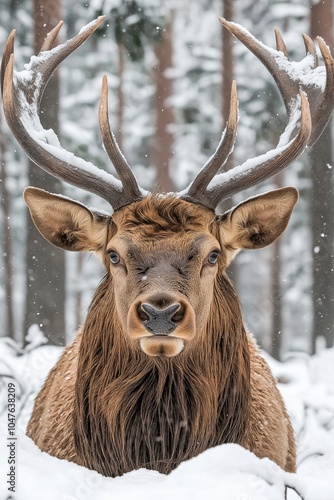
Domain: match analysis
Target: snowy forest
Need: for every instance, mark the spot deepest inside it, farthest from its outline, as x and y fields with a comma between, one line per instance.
x=170, y=65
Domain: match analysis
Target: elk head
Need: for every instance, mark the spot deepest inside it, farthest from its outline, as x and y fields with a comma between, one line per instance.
x=163, y=253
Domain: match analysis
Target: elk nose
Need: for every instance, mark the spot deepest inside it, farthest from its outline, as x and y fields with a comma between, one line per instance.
x=160, y=321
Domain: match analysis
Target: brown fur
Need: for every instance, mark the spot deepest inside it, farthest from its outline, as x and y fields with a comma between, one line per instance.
x=109, y=406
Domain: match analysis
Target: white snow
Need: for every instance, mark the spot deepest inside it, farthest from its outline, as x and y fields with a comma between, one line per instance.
x=226, y=472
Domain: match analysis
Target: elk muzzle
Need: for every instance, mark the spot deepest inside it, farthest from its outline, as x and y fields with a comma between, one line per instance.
x=162, y=323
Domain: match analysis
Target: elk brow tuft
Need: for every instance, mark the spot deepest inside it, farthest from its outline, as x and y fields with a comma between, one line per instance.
x=167, y=216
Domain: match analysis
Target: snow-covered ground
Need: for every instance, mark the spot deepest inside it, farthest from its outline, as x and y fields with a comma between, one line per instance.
x=227, y=472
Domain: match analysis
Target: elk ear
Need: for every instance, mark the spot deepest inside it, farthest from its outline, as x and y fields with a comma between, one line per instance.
x=66, y=223
x=258, y=221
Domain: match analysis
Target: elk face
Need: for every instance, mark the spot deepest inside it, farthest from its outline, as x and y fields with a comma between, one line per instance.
x=163, y=260
x=163, y=255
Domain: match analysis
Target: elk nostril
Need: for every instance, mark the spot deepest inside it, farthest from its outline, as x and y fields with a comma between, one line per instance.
x=178, y=316
x=142, y=315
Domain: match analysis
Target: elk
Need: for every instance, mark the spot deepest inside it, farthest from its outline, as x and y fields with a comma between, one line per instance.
x=163, y=367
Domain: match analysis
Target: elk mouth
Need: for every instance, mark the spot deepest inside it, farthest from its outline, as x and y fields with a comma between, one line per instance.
x=161, y=345
x=161, y=323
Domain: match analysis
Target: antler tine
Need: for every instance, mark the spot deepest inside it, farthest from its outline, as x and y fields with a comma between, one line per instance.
x=310, y=48
x=308, y=42
x=8, y=51
x=197, y=190
x=325, y=106
x=129, y=181
x=21, y=100
x=280, y=44
x=51, y=37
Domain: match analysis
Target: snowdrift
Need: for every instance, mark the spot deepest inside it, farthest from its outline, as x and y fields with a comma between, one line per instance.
x=227, y=472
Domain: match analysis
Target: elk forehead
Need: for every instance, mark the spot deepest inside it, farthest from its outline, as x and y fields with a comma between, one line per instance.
x=163, y=216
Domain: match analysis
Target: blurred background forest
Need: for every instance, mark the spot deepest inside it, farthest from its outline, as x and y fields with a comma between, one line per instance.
x=169, y=65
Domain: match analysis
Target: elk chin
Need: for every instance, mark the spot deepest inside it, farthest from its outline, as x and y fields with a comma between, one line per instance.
x=162, y=346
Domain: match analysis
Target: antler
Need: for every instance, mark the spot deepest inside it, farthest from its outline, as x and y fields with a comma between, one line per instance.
x=307, y=92
x=22, y=93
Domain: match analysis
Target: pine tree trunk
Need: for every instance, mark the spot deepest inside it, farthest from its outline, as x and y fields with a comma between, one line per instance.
x=322, y=168
x=163, y=140
x=276, y=285
x=7, y=241
x=120, y=96
x=276, y=299
x=45, y=264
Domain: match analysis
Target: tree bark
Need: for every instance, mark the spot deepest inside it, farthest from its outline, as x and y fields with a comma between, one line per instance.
x=276, y=298
x=45, y=294
x=322, y=208
x=120, y=96
x=163, y=140
x=7, y=240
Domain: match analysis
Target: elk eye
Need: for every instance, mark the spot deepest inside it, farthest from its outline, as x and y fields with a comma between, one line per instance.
x=213, y=257
x=114, y=257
